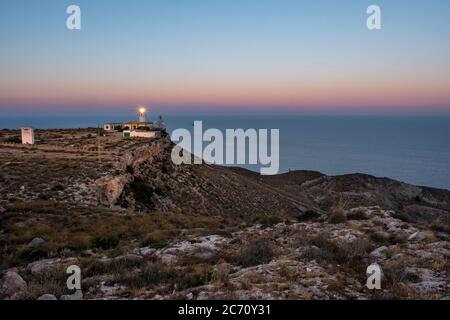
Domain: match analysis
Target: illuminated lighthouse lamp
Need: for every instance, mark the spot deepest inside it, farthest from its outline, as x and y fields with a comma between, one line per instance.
x=142, y=114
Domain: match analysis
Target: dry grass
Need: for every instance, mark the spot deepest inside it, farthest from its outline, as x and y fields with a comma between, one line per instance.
x=155, y=274
x=221, y=273
x=338, y=212
x=52, y=282
x=386, y=238
x=71, y=227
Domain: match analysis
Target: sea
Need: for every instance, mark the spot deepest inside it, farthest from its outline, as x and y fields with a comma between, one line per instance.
x=412, y=149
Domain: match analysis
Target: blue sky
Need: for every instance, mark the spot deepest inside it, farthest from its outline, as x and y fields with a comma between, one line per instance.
x=300, y=55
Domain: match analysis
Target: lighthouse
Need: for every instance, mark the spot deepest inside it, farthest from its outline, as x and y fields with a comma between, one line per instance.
x=142, y=112
x=136, y=129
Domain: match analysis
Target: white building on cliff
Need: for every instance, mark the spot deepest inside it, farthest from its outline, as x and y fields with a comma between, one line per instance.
x=137, y=129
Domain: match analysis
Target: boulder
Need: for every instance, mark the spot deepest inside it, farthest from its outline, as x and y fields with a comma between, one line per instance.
x=131, y=257
x=36, y=242
x=426, y=287
x=167, y=258
x=110, y=290
x=145, y=251
x=417, y=236
x=12, y=283
x=379, y=253
x=190, y=296
x=203, y=254
x=77, y=295
x=41, y=266
x=47, y=297
x=48, y=265
x=110, y=188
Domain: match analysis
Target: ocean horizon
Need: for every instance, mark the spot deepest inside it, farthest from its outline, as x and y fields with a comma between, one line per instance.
x=414, y=150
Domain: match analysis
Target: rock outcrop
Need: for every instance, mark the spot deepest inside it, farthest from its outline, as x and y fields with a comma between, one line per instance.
x=12, y=284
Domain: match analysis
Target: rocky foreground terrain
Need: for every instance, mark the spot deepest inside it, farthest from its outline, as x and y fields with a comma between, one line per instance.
x=140, y=227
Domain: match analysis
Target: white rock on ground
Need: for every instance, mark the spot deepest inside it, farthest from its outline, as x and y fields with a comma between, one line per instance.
x=77, y=295
x=417, y=236
x=46, y=265
x=379, y=253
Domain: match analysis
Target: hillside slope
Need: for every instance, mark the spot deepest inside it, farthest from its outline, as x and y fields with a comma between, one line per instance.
x=140, y=227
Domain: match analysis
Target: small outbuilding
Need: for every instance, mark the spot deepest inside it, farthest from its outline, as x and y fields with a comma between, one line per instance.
x=27, y=135
x=112, y=126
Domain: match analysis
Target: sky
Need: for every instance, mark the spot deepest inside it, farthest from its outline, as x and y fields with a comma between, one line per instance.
x=313, y=56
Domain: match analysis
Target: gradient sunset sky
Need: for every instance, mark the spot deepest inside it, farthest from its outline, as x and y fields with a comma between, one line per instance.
x=314, y=56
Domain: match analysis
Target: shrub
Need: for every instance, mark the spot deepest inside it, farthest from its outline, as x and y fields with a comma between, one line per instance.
x=121, y=267
x=308, y=215
x=43, y=196
x=194, y=277
x=154, y=274
x=58, y=187
x=79, y=243
x=268, y=220
x=379, y=237
x=93, y=267
x=338, y=211
x=142, y=191
x=440, y=226
x=28, y=253
x=350, y=254
x=395, y=277
x=256, y=252
x=385, y=238
x=53, y=282
x=13, y=140
x=221, y=273
x=337, y=216
x=403, y=216
x=157, y=239
x=106, y=242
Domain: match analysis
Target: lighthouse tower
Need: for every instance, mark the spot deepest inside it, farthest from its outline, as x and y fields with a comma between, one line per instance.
x=142, y=114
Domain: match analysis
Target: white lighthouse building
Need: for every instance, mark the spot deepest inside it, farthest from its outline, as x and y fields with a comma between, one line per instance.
x=137, y=129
